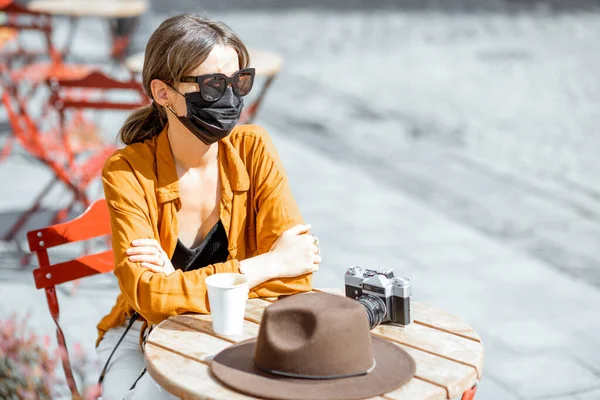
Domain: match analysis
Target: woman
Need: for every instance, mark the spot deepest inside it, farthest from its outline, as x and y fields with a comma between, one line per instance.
x=193, y=195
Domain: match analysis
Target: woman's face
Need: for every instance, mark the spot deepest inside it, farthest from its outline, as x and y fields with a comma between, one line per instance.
x=221, y=59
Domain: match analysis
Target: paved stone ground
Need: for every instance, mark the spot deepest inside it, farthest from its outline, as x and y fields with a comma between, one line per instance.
x=457, y=147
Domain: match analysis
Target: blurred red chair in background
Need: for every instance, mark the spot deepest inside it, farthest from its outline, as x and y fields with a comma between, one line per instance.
x=28, y=69
x=24, y=20
x=75, y=150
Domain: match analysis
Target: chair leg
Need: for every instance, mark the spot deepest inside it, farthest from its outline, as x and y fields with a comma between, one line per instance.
x=62, y=343
x=68, y=370
x=252, y=109
x=79, y=197
x=59, y=216
x=470, y=394
x=7, y=149
x=122, y=30
x=66, y=50
x=16, y=227
x=62, y=214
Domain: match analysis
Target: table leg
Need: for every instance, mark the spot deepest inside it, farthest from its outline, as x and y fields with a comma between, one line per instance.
x=71, y=36
x=10, y=235
x=121, y=30
x=249, y=113
x=7, y=149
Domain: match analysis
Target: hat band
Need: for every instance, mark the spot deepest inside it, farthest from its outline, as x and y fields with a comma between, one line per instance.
x=317, y=377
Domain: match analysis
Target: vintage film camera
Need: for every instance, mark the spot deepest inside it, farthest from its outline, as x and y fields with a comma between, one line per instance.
x=385, y=298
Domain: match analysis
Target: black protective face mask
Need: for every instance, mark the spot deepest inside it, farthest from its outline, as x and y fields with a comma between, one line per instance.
x=211, y=121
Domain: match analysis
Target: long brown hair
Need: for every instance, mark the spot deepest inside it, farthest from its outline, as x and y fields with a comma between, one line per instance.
x=176, y=47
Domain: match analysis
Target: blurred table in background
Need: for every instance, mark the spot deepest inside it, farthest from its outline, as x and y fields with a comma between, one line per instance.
x=266, y=63
x=91, y=8
x=123, y=17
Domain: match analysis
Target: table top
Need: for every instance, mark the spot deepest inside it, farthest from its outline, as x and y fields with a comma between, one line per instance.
x=266, y=63
x=91, y=8
x=448, y=353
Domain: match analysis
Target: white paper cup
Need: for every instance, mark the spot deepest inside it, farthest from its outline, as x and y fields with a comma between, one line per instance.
x=227, y=295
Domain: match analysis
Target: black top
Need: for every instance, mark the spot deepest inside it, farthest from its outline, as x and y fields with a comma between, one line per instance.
x=212, y=250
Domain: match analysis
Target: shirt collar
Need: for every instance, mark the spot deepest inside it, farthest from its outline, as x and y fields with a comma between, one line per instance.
x=234, y=176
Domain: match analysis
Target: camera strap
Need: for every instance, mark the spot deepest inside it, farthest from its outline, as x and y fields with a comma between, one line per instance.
x=138, y=378
x=134, y=317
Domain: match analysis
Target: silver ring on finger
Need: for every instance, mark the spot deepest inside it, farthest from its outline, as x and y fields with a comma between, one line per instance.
x=161, y=254
x=315, y=240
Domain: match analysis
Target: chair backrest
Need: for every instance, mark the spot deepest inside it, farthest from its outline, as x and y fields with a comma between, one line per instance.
x=96, y=88
x=96, y=91
x=93, y=223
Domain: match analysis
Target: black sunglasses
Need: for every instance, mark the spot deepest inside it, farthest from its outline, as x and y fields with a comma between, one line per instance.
x=213, y=86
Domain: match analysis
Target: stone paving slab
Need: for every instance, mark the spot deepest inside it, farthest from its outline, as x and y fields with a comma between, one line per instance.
x=560, y=375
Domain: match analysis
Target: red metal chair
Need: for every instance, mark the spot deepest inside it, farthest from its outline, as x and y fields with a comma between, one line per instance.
x=93, y=223
x=81, y=137
x=41, y=147
x=74, y=151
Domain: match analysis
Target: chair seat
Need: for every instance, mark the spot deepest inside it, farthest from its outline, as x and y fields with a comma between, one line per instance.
x=84, y=135
x=40, y=72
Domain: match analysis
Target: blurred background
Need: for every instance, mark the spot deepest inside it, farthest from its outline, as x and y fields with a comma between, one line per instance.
x=454, y=141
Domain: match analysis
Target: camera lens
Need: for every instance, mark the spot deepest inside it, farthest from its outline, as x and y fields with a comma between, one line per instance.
x=375, y=308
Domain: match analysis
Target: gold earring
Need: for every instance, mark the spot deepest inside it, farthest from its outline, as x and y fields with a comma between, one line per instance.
x=168, y=107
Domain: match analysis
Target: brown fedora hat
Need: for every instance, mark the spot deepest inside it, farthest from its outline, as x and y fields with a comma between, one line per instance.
x=314, y=346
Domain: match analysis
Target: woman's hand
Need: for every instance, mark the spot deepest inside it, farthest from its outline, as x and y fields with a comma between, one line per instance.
x=297, y=252
x=150, y=255
x=294, y=253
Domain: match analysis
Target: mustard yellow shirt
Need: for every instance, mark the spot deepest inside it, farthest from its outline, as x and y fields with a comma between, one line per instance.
x=142, y=192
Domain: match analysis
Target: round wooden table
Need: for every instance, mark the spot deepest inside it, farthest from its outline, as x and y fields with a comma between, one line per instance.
x=448, y=353
x=85, y=8
x=122, y=16
x=266, y=63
